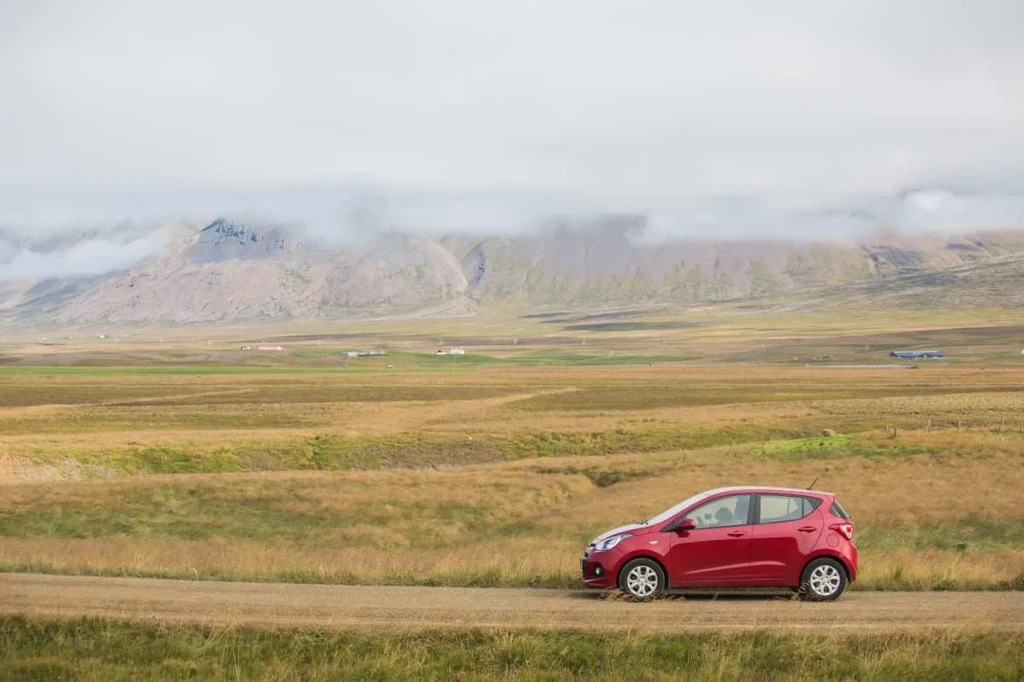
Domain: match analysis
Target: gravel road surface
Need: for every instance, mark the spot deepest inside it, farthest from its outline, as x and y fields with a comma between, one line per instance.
x=420, y=608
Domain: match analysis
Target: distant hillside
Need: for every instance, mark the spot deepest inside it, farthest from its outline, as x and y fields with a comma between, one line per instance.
x=232, y=271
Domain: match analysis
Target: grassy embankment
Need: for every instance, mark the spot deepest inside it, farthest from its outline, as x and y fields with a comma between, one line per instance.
x=97, y=650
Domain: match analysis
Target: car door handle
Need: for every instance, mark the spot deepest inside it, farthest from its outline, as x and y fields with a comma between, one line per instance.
x=736, y=534
x=807, y=529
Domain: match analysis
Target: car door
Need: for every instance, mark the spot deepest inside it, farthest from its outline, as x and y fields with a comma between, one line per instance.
x=786, y=531
x=717, y=552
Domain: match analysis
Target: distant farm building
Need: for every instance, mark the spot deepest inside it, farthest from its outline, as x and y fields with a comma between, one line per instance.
x=364, y=353
x=453, y=351
x=269, y=348
x=915, y=354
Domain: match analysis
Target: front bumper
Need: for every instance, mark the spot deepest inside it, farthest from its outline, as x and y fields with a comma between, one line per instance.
x=595, y=572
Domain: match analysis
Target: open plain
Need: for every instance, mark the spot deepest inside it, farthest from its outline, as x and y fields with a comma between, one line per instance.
x=413, y=478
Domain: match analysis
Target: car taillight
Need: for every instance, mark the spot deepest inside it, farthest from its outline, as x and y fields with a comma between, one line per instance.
x=844, y=529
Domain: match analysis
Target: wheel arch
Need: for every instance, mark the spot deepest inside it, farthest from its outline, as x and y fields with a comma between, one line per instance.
x=643, y=555
x=826, y=555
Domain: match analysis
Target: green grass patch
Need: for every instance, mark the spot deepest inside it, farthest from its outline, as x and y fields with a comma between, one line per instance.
x=331, y=452
x=607, y=476
x=800, y=445
x=159, y=370
x=125, y=419
x=305, y=392
x=573, y=444
x=570, y=359
x=838, y=446
x=92, y=649
x=430, y=360
x=964, y=535
x=615, y=395
x=325, y=513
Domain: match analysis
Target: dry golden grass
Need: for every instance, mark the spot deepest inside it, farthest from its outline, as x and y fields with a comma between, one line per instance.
x=491, y=413
x=914, y=490
x=508, y=524
x=515, y=562
x=498, y=473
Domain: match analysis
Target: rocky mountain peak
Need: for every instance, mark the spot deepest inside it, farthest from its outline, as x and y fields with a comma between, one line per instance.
x=224, y=240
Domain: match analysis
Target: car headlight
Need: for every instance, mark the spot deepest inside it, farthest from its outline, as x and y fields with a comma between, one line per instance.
x=610, y=543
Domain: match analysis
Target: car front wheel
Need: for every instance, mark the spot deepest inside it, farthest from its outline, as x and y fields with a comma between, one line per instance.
x=823, y=580
x=642, y=580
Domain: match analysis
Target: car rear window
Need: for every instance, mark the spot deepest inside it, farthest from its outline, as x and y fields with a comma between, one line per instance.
x=780, y=508
x=837, y=510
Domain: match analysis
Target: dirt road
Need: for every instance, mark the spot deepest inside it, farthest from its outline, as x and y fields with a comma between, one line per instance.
x=428, y=607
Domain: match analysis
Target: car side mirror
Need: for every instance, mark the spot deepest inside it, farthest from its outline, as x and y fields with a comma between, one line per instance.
x=684, y=525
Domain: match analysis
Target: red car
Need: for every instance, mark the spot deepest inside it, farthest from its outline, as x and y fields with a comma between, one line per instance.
x=731, y=537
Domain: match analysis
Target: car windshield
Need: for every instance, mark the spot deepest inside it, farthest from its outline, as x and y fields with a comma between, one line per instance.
x=669, y=513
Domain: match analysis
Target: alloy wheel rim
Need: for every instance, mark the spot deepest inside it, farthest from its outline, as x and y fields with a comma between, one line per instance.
x=825, y=580
x=642, y=581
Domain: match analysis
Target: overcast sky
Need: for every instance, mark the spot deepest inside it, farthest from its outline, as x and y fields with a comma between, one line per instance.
x=745, y=116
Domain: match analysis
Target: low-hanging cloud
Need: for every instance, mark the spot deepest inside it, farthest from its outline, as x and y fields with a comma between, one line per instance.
x=337, y=215
x=84, y=258
x=933, y=211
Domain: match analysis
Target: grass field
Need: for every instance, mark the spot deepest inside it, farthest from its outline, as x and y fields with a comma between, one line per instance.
x=98, y=650
x=440, y=478
x=184, y=458
x=178, y=460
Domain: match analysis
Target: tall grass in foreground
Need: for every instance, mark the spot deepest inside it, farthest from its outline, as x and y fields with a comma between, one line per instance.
x=520, y=562
x=104, y=650
x=520, y=523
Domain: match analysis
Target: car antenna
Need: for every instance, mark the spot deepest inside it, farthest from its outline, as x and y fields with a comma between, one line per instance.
x=811, y=486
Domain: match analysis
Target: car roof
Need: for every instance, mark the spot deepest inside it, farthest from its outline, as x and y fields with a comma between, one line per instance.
x=768, y=489
x=700, y=498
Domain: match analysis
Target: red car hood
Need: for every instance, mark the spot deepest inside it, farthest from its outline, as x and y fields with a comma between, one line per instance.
x=635, y=528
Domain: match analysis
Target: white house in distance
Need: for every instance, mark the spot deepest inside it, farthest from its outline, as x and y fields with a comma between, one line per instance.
x=452, y=351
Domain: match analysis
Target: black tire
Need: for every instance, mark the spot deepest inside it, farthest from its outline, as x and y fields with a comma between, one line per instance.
x=823, y=580
x=642, y=580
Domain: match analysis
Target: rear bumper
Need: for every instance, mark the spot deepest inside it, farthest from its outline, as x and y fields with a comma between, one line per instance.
x=851, y=561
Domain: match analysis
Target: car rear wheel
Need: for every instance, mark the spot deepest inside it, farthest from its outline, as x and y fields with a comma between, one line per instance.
x=823, y=580
x=642, y=580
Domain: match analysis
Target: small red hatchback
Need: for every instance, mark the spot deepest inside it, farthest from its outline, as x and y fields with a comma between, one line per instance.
x=731, y=537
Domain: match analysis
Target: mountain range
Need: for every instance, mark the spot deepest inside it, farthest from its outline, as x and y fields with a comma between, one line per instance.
x=231, y=270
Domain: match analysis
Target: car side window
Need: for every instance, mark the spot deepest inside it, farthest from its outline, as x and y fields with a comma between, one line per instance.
x=781, y=508
x=724, y=512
